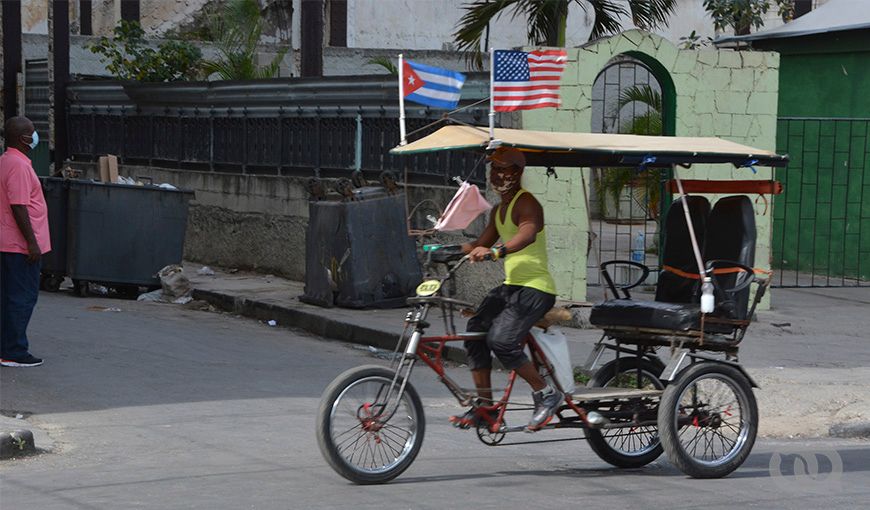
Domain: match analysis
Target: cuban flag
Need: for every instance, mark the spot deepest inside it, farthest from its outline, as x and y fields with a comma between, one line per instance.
x=432, y=86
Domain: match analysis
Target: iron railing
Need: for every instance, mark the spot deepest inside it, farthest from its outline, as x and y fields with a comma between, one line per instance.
x=821, y=222
x=323, y=127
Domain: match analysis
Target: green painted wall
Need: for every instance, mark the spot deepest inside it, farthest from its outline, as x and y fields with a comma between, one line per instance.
x=822, y=221
x=722, y=93
x=825, y=85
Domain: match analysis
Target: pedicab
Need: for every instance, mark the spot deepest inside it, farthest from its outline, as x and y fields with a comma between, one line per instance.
x=697, y=406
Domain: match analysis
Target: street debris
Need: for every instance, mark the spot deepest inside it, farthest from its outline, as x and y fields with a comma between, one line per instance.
x=781, y=324
x=101, y=290
x=103, y=309
x=205, y=271
x=174, y=287
x=379, y=353
x=272, y=323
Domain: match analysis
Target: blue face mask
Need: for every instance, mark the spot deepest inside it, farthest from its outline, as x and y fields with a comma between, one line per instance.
x=35, y=141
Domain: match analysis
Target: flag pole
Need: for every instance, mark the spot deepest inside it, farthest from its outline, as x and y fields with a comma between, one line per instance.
x=491, y=96
x=402, y=101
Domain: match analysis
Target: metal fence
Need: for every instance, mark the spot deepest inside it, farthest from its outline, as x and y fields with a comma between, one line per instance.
x=625, y=219
x=323, y=127
x=821, y=223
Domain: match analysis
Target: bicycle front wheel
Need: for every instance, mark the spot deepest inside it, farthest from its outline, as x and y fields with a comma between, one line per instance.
x=362, y=433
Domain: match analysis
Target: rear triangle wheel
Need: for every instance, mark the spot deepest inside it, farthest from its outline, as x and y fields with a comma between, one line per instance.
x=708, y=418
x=631, y=446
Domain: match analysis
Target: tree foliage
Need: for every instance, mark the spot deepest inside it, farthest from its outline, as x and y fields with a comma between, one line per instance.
x=237, y=28
x=745, y=15
x=645, y=186
x=128, y=57
x=547, y=19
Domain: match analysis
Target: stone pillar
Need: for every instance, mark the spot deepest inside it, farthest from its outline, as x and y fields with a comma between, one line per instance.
x=10, y=57
x=58, y=77
x=130, y=10
x=312, y=37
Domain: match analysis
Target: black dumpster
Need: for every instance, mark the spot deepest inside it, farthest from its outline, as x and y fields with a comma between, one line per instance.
x=54, y=262
x=358, y=252
x=121, y=235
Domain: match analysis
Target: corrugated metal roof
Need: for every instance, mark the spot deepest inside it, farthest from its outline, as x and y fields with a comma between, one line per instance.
x=834, y=16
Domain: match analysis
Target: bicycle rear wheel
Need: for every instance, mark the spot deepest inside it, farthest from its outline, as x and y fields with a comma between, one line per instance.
x=359, y=435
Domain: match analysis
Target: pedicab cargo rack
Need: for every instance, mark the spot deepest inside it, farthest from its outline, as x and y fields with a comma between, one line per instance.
x=697, y=405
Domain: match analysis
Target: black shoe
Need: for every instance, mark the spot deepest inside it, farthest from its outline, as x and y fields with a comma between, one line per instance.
x=545, y=407
x=470, y=419
x=27, y=361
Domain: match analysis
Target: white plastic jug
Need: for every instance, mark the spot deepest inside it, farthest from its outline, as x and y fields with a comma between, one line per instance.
x=555, y=347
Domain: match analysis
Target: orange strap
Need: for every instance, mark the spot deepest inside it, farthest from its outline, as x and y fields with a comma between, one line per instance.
x=720, y=270
x=730, y=186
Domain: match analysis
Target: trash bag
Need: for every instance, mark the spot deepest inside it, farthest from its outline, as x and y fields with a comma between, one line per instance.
x=174, y=282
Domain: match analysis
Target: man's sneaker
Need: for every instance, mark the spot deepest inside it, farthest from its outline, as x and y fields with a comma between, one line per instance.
x=469, y=419
x=28, y=361
x=546, y=404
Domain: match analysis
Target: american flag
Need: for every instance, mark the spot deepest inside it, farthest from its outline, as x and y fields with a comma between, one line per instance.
x=523, y=81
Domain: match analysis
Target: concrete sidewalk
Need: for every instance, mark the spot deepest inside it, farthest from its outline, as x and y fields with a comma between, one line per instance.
x=810, y=353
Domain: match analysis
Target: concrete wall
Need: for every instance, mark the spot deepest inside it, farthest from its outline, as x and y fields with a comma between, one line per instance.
x=85, y=62
x=259, y=222
x=721, y=93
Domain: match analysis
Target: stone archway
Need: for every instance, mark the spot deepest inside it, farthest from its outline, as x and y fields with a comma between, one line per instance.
x=627, y=98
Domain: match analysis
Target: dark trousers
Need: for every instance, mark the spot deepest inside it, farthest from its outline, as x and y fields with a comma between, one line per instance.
x=19, y=289
x=507, y=313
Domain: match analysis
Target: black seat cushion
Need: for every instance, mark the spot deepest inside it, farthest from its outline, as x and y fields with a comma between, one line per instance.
x=645, y=314
x=731, y=236
x=654, y=315
x=677, y=250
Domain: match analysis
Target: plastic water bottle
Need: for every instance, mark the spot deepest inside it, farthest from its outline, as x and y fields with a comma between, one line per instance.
x=708, y=302
x=638, y=248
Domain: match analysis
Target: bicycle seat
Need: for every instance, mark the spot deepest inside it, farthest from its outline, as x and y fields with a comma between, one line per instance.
x=554, y=315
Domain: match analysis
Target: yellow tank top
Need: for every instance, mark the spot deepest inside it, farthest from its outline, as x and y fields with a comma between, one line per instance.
x=527, y=267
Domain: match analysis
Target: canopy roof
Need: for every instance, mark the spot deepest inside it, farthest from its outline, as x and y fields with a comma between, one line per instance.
x=546, y=148
x=833, y=16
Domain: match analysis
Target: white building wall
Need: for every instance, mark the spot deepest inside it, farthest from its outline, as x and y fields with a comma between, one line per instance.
x=430, y=24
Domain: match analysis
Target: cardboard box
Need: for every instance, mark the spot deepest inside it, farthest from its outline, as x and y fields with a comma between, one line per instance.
x=108, y=168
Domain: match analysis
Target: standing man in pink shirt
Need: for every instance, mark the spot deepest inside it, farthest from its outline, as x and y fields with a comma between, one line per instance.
x=24, y=238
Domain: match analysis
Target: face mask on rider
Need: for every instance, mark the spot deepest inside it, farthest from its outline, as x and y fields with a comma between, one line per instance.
x=508, y=181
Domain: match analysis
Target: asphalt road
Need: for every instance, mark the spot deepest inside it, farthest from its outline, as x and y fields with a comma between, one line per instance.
x=160, y=407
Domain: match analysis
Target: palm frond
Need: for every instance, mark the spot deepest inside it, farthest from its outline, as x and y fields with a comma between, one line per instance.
x=642, y=94
x=386, y=63
x=649, y=15
x=472, y=25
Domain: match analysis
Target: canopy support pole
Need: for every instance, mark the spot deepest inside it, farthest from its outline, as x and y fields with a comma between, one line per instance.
x=491, y=98
x=697, y=250
x=402, y=135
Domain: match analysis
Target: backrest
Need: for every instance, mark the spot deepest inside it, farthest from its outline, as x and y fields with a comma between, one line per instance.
x=731, y=236
x=677, y=250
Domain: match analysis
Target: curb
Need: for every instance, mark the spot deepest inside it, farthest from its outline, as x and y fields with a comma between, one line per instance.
x=850, y=430
x=16, y=444
x=311, y=322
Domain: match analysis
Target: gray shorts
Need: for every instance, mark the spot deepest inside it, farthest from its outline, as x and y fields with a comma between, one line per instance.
x=507, y=314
